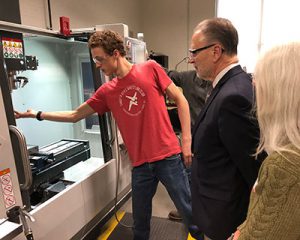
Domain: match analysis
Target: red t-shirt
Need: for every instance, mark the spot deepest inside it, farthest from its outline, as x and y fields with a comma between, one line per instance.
x=138, y=106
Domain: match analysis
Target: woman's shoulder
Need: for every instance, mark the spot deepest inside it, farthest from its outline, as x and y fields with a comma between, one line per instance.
x=286, y=160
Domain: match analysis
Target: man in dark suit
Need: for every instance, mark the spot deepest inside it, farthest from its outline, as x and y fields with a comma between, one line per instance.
x=225, y=134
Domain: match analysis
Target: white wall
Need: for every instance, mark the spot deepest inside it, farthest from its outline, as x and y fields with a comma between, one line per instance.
x=261, y=24
x=167, y=24
x=82, y=13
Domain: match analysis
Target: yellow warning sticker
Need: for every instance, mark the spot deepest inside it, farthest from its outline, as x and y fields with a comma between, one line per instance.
x=12, y=48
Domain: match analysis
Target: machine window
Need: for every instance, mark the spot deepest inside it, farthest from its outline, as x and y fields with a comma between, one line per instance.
x=91, y=122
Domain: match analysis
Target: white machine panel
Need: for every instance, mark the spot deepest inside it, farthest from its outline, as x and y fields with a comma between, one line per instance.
x=10, y=195
x=120, y=28
x=65, y=214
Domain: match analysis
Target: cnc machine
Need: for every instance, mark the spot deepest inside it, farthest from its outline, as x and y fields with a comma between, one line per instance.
x=58, y=180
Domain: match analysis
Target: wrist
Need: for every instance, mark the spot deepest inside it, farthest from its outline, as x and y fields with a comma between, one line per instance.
x=38, y=116
x=186, y=138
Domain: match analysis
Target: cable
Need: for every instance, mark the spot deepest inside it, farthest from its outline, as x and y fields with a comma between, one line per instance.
x=118, y=158
x=185, y=59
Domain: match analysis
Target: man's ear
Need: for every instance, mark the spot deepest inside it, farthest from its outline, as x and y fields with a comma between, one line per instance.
x=115, y=54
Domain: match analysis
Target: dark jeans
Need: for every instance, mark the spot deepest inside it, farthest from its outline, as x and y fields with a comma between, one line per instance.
x=172, y=174
x=189, y=174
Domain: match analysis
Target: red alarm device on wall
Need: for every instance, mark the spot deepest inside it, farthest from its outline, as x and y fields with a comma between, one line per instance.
x=64, y=25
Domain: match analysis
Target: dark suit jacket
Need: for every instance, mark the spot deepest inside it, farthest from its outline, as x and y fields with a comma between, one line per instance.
x=225, y=137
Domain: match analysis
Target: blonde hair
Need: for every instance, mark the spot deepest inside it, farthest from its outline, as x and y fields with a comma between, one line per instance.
x=277, y=83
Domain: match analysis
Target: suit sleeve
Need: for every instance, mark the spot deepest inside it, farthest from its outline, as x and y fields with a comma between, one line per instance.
x=239, y=133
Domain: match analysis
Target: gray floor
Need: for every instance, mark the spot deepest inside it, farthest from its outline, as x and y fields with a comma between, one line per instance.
x=162, y=203
x=161, y=229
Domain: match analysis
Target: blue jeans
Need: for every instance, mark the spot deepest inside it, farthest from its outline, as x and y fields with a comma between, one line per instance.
x=172, y=174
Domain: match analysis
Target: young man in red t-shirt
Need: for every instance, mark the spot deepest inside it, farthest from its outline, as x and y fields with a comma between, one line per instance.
x=136, y=99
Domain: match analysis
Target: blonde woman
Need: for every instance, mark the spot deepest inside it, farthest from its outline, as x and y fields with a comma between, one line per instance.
x=274, y=210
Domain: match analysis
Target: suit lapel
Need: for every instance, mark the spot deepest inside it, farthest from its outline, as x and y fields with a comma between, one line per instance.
x=217, y=88
x=205, y=107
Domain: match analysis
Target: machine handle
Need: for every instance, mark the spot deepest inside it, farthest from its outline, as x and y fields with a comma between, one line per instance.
x=24, y=155
x=112, y=127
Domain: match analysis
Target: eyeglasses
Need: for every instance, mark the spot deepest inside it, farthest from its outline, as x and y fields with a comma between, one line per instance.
x=99, y=60
x=193, y=52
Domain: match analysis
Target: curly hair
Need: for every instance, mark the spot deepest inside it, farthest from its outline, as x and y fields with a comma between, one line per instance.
x=108, y=40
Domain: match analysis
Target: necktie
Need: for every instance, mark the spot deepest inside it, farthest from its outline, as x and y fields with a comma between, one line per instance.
x=209, y=90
